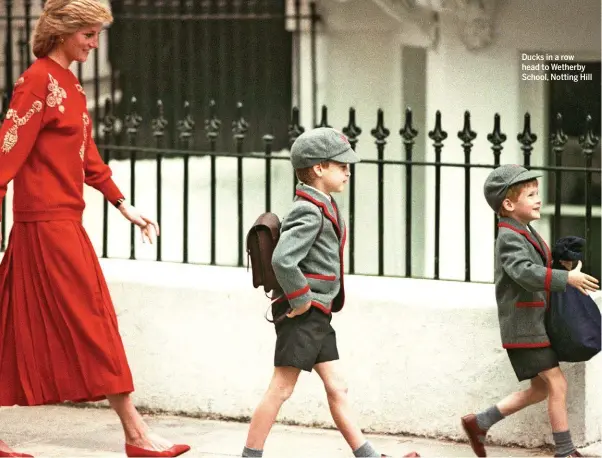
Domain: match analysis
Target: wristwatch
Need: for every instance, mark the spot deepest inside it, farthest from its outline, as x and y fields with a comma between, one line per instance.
x=119, y=202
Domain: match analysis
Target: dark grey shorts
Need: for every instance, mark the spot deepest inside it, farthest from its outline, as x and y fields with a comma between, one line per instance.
x=529, y=362
x=305, y=340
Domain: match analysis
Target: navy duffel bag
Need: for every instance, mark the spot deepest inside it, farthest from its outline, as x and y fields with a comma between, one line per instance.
x=573, y=325
x=573, y=319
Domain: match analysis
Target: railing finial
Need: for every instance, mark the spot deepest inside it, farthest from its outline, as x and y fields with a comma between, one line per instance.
x=407, y=132
x=295, y=128
x=380, y=132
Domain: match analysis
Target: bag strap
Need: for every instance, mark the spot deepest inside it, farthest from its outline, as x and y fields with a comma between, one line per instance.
x=290, y=309
x=280, y=318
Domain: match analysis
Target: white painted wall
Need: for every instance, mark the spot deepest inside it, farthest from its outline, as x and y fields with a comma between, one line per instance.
x=417, y=354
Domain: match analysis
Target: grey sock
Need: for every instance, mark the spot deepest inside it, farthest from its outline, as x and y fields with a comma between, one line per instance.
x=251, y=452
x=366, y=450
x=489, y=417
x=564, y=443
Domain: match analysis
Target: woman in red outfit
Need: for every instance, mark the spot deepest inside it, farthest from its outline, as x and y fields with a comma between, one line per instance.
x=59, y=339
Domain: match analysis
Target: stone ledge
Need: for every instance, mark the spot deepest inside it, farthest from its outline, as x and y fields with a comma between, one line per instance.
x=417, y=354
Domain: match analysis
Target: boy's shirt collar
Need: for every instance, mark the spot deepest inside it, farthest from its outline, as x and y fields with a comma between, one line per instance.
x=320, y=198
x=512, y=222
x=305, y=186
x=528, y=229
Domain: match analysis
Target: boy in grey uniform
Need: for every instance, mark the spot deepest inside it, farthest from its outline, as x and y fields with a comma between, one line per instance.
x=308, y=264
x=524, y=279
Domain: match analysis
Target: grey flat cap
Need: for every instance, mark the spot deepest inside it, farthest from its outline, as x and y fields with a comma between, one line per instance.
x=319, y=145
x=499, y=180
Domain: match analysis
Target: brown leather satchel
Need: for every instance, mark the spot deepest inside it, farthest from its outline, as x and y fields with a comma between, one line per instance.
x=261, y=241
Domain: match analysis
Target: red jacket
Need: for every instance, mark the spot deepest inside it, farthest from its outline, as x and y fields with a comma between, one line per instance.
x=47, y=147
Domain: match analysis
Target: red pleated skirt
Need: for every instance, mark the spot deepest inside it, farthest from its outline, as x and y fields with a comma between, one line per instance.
x=59, y=339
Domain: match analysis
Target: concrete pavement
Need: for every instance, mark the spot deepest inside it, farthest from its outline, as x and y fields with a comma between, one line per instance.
x=69, y=432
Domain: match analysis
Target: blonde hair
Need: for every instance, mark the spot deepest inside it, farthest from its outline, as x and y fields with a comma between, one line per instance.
x=64, y=17
x=513, y=194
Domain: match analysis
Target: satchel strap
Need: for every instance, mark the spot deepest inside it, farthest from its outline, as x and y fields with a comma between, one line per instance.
x=280, y=318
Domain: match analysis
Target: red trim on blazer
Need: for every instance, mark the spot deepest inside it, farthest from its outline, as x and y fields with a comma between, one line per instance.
x=324, y=207
x=342, y=258
x=547, y=249
x=548, y=283
x=527, y=345
x=527, y=234
x=548, y=280
x=342, y=237
x=531, y=304
x=299, y=292
x=545, y=253
x=548, y=257
x=321, y=277
x=322, y=307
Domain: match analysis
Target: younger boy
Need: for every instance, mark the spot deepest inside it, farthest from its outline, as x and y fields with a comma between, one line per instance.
x=308, y=263
x=524, y=279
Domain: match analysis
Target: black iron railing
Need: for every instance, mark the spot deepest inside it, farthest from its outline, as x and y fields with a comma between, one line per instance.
x=409, y=135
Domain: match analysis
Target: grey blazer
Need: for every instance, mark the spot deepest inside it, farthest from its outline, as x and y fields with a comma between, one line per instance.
x=524, y=279
x=308, y=263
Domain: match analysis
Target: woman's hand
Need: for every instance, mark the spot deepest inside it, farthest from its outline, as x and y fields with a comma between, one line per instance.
x=145, y=224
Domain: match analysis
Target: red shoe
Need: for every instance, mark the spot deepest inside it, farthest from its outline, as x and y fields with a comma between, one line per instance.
x=176, y=450
x=476, y=436
x=11, y=453
x=14, y=454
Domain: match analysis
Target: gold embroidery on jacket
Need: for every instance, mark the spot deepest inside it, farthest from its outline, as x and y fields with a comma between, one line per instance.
x=57, y=94
x=11, y=137
x=80, y=88
x=82, y=149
